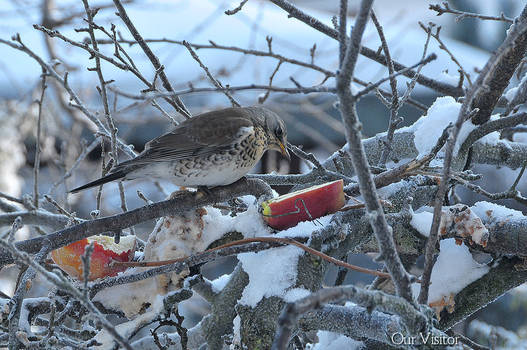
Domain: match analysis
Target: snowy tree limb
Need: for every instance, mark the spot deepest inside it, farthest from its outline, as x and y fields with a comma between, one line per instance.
x=181, y=202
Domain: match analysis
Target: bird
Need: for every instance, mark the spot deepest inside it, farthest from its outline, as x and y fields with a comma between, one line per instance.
x=212, y=149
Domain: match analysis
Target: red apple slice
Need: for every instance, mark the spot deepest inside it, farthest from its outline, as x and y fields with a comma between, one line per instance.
x=105, y=250
x=307, y=204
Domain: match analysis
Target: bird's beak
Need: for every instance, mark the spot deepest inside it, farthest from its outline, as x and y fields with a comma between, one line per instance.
x=284, y=151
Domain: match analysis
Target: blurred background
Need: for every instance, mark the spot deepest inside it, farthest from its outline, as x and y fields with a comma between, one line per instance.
x=312, y=120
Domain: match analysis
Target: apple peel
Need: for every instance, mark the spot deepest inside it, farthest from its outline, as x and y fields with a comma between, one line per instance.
x=105, y=250
x=304, y=205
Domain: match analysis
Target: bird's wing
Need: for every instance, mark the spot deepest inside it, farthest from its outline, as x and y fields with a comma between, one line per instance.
x=202, y=135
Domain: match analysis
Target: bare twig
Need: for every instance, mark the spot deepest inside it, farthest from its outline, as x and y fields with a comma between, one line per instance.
x=85, y=151
x=61, y=210
x=271, y=77
x=263, y=240
x=293, y=11
x=373, y=86
x=511, y=193
x=36, y=167
x=64, y=82
x=394, y=106
x=463, y=14
x=411, y=85
x=214, y=81
x=176, y=103
x=237, y=9
x=298, y=90
x=104, y=97
x=342, y=28
x=443, y=47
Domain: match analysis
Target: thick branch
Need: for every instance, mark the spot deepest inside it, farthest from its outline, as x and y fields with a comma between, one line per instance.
x=499, y=69
x=182, y=202
x=381, y=229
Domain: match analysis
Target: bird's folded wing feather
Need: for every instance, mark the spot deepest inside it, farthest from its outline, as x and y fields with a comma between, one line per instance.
x=209, y=133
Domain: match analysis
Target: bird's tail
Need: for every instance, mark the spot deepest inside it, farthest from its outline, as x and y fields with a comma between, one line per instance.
x=105, y=179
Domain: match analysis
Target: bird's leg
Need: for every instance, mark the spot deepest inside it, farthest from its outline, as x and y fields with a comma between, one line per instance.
x=236, y=206
x=203, y=191
x=117, y=236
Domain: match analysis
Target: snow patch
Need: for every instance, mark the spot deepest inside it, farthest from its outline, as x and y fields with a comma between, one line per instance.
x=429, y=128
x=422, y=222
x=237, y=338
x=126, y=329
x=305, y=228
x=271, y=273
x=388, y=191
x=489, y=211
x=459, y=218
x=454, y=270
x=219, y=283
x=249, y=223
x=509, y=95
x=331, y=340
x=449, y=78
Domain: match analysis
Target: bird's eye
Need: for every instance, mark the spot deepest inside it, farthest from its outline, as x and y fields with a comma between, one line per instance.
x=278, y=132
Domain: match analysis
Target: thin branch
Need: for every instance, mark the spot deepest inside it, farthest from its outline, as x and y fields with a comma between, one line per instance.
x=237, y=9
x=463, y=14
x=214, y=81
x=411, y=85
x=280, y=240
x=214, y=45
x=373, y=86
x=300, y=90
x=85, y=151
x=271, y=77
x=104, y=97
x=394, y=107
x=64, y=82
x=511, y=193
x=176, y=103
x=36, y=167
x=342, y=28
x=443, y=47
x=61, y=210
x=311, y=21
